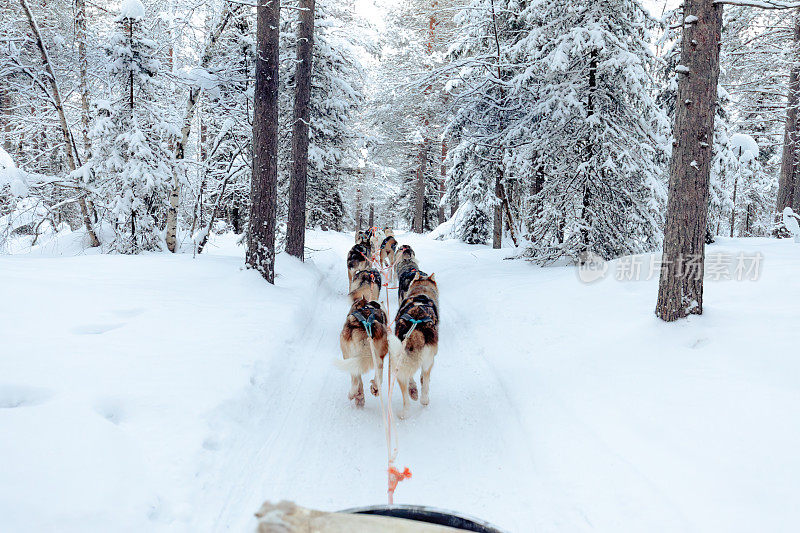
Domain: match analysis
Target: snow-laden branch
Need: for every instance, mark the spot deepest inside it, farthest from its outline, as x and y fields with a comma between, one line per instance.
x=764, y=4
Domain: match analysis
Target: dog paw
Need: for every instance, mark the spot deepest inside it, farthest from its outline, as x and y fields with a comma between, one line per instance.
x=412, y=389
x=425, y=399
x=373, y=387
x=403, y=414
x=359, y=400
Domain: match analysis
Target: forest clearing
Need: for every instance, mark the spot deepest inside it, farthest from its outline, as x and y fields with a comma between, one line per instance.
x=263, y=260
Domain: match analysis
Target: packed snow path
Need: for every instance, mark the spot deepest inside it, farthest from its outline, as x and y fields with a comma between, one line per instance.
x=168, y=393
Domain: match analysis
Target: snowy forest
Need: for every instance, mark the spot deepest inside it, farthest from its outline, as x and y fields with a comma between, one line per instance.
x=541, y=123
x=181, y=181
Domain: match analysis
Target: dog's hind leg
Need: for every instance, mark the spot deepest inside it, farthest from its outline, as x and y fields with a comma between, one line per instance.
x=412, y=388
x=425, y=375
x=377, y=381
x=402, y=382
x=356, y=390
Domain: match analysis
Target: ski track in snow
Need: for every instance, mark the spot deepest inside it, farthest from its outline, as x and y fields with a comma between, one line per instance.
x=175, y=394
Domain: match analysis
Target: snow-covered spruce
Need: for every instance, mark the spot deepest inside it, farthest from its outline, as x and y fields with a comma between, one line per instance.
x=593, y=129
x=131, y=164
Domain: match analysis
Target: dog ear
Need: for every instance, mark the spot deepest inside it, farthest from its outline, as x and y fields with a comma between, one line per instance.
x=416, y=277
x=432, y=278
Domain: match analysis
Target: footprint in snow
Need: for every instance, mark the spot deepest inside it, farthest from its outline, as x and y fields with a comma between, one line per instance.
x=12, y=396
x=112, y=409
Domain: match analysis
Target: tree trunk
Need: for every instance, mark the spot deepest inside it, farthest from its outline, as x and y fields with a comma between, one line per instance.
x=5, y=117
x=733, y=208
x=419, y=197
x=443, y=177
x=371, y=215
x=497, y=227
x=499, y=191
x=188, y=118
x=263, y=193
x=586, y=211
x=787, y=182
x=296, y=229
x=129, y=24
x=236, y=220
x=83, y=84
x=70, y=148
x=680, y=291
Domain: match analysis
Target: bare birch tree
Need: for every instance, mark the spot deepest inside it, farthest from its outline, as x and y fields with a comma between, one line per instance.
x=55, y=97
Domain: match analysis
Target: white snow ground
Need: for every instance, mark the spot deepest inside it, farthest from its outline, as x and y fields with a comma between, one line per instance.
x=166, y=393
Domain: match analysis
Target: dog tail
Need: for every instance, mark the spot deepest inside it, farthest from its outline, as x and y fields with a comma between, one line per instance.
x=396, y=349
x=352, y=365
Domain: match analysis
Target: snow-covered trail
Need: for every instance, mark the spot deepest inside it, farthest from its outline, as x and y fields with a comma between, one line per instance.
x=169, y=393
x=555, y=405
x=306, y=442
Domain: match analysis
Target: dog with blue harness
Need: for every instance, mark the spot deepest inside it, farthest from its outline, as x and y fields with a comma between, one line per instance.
x=365, y=341
x=417, y=327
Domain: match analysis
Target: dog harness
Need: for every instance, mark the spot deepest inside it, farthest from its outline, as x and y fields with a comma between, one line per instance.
x=418, y=301
x=359, y=249
x=368, y=321
x=373, y=275
x=394, y=244
x=408, y=276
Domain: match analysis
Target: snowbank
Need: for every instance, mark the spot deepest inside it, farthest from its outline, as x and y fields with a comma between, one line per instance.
x=164, y=393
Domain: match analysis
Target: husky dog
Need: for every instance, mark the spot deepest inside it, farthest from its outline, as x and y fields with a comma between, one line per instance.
x=363, y=238
x=366, y=323
x=388, y=247
x=405, y=252
x=376, y=237
x=404, y=262
x=366, y=284
x=406, y=270
x=417, y=327
x=422, y=284
x=357, y=259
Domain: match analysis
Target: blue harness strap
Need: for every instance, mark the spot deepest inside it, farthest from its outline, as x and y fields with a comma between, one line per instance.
x=366, y=322
x=414, y=322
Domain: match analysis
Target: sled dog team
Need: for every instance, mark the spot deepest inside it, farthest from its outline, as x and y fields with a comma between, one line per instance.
x=414, y=342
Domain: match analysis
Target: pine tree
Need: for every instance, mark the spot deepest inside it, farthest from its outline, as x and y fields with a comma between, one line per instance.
x=131, y=159
x=599, y=134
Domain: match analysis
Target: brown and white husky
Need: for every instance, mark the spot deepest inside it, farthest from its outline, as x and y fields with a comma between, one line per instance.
x=376, y=237
x=417, y=327
x=366, y=284
x=388, y=248
x=364, y=239
x=366, y=319
x=357, y=259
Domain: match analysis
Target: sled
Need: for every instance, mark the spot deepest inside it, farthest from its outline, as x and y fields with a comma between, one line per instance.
x=286, y=517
